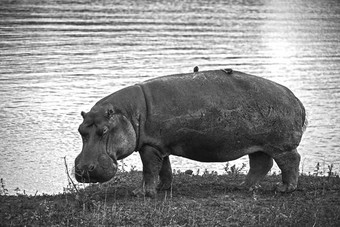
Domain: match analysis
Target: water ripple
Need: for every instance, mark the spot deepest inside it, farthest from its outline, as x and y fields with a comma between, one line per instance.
x=58, y=58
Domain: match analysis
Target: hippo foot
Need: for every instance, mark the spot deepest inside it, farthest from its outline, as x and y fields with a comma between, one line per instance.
x=285, y=188
x=162, y=186
x=141, y=192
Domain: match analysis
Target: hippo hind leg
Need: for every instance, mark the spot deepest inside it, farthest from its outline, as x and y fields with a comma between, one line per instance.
x=260, y=164
x=165, y=175
x=288, y=162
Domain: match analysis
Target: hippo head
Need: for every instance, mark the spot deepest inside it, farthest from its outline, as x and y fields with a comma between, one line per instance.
x=107, y=136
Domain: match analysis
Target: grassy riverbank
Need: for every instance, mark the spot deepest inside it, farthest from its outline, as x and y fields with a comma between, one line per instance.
x=196, y=200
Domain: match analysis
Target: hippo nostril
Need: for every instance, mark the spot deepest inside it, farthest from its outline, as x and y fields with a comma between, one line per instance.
x=91, y=168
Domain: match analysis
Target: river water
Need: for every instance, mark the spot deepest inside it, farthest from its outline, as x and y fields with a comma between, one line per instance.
x=59, y=57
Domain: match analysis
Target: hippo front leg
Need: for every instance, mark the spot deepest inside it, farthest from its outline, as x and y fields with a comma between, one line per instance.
x=152, y=163
x=165, y=175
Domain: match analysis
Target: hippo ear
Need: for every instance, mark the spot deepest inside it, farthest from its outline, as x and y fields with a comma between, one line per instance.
x=109, y=113
x=83, y=114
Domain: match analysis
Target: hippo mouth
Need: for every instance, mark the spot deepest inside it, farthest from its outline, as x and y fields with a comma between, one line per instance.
x=104, y=170
x=86, y=177
x=93, y=176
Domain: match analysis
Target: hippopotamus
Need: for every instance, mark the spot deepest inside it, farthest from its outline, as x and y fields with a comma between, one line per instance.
x=207, y=116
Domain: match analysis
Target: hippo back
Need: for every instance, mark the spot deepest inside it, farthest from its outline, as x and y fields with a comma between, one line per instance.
x=215, y=111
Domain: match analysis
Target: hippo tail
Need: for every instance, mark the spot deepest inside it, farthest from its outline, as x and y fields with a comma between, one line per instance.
x=305, y=124
x=304, y=117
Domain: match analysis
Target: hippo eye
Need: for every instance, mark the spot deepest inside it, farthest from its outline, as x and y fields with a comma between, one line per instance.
x=105, y=130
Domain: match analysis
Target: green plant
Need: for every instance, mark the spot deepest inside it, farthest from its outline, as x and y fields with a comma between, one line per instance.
x=71, y=187
x=3, y=189
x=234, y=170
x=317, y=170
x=330, y=172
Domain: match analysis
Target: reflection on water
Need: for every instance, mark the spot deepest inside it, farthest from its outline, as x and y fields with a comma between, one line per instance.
x=60, y=57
